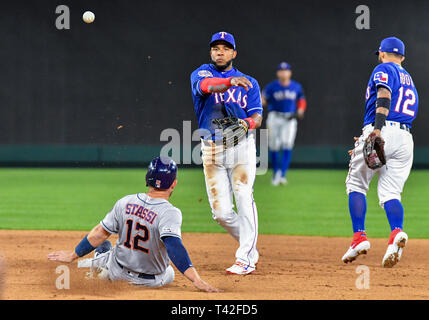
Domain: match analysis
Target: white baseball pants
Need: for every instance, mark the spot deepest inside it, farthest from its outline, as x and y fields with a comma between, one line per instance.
x=398, y=148
x=231, y=173
x=281, y=131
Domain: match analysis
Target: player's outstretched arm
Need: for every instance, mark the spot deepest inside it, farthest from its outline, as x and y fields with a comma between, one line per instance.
x=178, y=254
x=213, y=85
x=87, y=245
x=192, y=274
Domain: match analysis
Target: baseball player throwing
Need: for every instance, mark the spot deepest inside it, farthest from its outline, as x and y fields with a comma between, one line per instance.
x=228, y=106
x=286, y=103
x=149, y=229
x=385, y=147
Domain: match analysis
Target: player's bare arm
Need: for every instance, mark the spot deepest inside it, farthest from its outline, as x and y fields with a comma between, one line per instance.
x=264, y=101
x=192, y=274
x=180, y=258
x=257, y=118
x=95, y=238
x=382, y=93
x=382, y=110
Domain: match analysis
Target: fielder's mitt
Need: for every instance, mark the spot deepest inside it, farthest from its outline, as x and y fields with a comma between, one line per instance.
x=233, y=130
x=293, y=116
x=373, y=152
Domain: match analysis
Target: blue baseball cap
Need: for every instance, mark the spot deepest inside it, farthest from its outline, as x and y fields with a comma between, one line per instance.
x=284, y=66
x=393, y=45
x=223, y=36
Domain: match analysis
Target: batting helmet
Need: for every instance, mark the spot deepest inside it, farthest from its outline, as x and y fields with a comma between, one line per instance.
x=161, y=173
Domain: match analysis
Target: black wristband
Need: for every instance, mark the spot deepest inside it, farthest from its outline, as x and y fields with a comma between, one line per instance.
x=382, y=103
x=380, y=121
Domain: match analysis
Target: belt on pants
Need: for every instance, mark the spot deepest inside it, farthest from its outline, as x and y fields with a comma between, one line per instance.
x=140, y=275
x=402, y=126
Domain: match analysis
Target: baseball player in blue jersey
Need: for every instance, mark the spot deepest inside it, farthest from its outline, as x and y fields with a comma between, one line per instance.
x=149, y=232
x=286, y=103
x=391, y=105
x=226, y=102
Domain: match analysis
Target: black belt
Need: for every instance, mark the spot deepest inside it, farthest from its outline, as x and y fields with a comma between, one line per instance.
x=402, y=126
x=140, y=275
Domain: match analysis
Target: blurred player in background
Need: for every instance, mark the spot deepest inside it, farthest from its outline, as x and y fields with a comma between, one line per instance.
x=286, y=103
x=391, y=105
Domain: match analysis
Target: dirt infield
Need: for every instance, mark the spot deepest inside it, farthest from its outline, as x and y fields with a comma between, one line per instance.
x=289, y=268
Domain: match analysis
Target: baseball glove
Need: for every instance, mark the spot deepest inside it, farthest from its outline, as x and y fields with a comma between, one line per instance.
x=293, y=116
x=233, y=130
x=373, y=152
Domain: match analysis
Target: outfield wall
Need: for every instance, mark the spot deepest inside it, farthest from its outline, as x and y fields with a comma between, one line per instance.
x=140, y=155
x=130, y=69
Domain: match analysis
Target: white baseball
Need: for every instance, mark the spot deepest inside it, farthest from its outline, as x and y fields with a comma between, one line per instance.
x=88, y=17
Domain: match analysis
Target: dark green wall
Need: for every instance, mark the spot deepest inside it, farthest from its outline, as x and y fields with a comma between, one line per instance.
x=105, y=155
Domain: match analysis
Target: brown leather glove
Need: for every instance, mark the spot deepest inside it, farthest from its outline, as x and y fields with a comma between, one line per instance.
x=373, y=151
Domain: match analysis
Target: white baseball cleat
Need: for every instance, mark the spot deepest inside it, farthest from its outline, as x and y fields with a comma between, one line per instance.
x=276, y=179
x=360, y=245
x=240, y=269
x=397, y=241
x=283, y=180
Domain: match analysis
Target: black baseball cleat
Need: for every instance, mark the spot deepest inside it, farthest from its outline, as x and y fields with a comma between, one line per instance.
x=102, y=248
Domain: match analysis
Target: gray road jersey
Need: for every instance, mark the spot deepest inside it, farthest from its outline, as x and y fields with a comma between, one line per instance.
x=140, y=222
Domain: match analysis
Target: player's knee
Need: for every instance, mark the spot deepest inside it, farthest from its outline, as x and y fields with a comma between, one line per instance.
x=385, y=198
x=358, y=190
x=353, y=186
x=220, y=216
x=223, y=216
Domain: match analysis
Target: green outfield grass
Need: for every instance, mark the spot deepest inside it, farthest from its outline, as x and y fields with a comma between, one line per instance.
x=313, y=203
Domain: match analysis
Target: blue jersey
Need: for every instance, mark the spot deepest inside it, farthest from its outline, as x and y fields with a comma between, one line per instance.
x=236, y=101
x=283, y=99
x=405, y=100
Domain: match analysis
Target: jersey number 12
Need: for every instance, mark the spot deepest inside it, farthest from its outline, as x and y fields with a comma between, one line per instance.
x=135, y=243
x=409, y=101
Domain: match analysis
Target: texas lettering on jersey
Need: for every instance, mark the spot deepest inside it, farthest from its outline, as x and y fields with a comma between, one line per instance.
x=236, y=101
x=231, y=96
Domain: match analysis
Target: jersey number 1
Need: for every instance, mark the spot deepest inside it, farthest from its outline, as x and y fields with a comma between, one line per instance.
x=137, y=237
x=410, y=101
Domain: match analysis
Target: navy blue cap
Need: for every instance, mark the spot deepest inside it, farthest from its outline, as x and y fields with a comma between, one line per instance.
x=393, y=45
x=284, y=66
x=224, y=36
x=161, y=173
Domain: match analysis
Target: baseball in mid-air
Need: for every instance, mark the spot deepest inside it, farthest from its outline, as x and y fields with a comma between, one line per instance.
x=88, y=17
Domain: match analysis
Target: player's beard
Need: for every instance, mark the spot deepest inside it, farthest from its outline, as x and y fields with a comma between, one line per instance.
x=222, y=67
